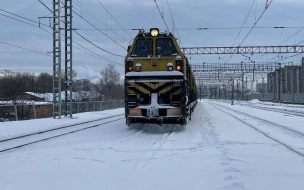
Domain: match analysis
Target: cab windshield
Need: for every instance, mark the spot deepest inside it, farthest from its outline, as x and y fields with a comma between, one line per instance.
x=142, y=48
x=165, y=47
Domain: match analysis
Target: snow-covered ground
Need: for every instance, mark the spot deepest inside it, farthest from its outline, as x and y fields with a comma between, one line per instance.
x=290, y=107
x=223, y=147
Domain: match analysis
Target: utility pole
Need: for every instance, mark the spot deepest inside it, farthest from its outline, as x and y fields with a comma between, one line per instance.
x=219, y=93
x=68, y=77
x=243, y=87
x=237, y=88
x=225, y=93
x=68, y=58
x=200, y=92
x=246, y=89
x=263, y=89
x=232, y=92
x=56, y=59
x=252, y=78
x=279, y=86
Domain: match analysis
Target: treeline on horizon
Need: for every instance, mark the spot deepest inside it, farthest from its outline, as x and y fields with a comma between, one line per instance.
x=13, y=84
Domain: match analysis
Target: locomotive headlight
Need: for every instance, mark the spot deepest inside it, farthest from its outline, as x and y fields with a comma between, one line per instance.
x=154, y=31
x=170, y=66
x=130, y=64
x=137, y=67
x=178, y=62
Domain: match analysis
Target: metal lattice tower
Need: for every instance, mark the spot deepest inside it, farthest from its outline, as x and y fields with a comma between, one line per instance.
x=56, y=60
x=68, y=75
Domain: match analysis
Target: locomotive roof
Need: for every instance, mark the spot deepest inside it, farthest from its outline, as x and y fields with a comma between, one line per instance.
x=162, y=35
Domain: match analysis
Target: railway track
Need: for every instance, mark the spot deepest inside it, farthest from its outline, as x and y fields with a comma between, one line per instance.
x=36, y=137
x=290, y=112
x=268, y=135
x=285, y=111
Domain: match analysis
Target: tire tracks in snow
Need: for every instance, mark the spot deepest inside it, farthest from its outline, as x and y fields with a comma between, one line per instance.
x=289, y=147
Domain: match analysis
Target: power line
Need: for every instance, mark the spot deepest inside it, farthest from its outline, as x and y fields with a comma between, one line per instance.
x=161, y=15
x=173, y=22
x=51, y=33
x=96, y=55
x=241, y=28
x=24, y=48
x=266, y=7
x=22, y=18
x=97, y=45
x=98, y=30
x=114, y=19
x=243, y=23
x=285, y=41
x=34, y=51
x=96, y=18
x=205, y=28
x=99, y=21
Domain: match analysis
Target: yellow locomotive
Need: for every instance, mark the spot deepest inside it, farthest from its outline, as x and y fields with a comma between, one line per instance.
x=159, y=85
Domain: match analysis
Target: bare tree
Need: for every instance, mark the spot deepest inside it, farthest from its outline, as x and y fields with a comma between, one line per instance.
x=110, y=84
x=44, y=83
x=12, y=87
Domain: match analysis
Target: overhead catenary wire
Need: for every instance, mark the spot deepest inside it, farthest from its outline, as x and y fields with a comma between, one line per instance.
x=113, y=33
x=285, y=41
x=242, y=26
x=115, y=19
x=50, y=32
x=100, y=22
x=37, y=52
x=255, y=23
x=21, y=17
x=98, y=30
x=98, y=56
x=244, y=23
x=97, y=45
x=266, y=8
x=173, y=22
x=86, y=19
x=204, y=28
x=162, y=16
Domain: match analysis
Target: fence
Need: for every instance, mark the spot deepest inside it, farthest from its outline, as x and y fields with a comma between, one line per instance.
x=35, y=111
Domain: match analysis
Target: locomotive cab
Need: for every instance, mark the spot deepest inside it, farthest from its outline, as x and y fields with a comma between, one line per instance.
x=158, y=80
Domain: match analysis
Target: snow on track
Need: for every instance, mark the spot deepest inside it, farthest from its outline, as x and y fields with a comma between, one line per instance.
x=295, y=145
x=25, y=140
x=214, y=151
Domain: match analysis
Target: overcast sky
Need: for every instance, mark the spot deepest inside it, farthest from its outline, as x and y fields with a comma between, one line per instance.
x=132, y=14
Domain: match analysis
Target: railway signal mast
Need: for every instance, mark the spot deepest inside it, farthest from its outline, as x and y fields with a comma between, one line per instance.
x=57, y=52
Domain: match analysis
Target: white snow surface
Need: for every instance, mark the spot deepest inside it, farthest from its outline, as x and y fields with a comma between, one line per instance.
x=254, y=101
x=218, y=149
x=18, y=128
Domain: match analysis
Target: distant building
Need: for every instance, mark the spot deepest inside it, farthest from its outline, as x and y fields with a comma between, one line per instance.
x=262, y=88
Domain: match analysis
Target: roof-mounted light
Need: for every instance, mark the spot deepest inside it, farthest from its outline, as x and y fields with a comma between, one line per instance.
x=154, y=31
